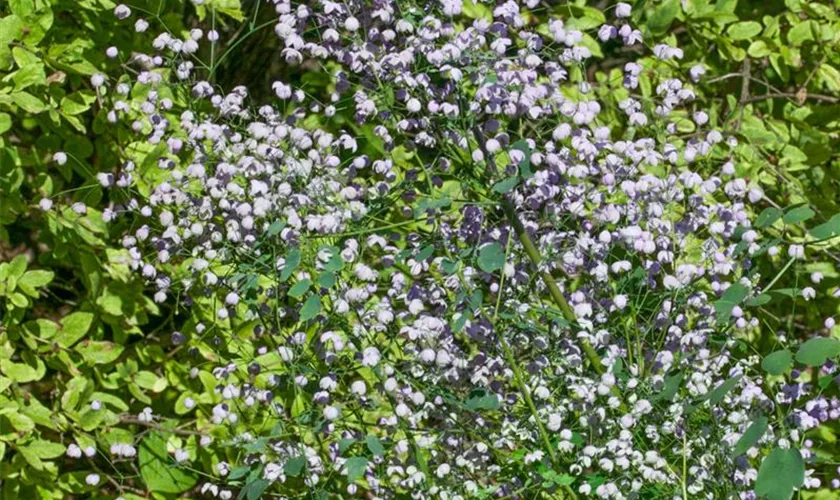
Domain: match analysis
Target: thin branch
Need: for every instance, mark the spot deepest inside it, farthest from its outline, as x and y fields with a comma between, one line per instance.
x=790, y=95
x=125, y=419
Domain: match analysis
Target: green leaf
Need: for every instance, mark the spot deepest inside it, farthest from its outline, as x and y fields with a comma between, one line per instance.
x=778, y=362
x=158, y=469
x=663, y=16
x=525, y=164
x=717, y=395
x=491, y=257
x=355, y=468
x=489, y=402
x=327, y=279
x=815, y=352
x=828, y=229
x=733, y=296
x=37, y=278
x=100, y=352
x=672, y=385
x=299, y=288
x=294, y=466
x=292, y=262
x=505, y=185
x=800, y=33
x=74, y=326
x=767, y=217
x=374, y=445
x=780, y=473
x=310, y=308
x=255, y=489
x=751, y=436
x=744, y=30
x=798, y=214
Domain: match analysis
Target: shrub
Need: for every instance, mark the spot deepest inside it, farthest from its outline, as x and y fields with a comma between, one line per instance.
x=449, y=250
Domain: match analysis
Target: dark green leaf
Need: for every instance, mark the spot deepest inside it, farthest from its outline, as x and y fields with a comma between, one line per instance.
x=778, y=362
x=717, y=395
x=780, y=473
x=491, y=257
x=817, y=351
x=767, y=217
x=299, y=288
x=751, y=436
x=798, y=214
x=374, y=445
x=310, y=308
x=505, y=185
x=294, y=466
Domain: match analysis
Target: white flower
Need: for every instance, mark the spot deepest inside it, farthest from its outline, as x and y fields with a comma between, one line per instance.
x=622, y=10
x=92, y=479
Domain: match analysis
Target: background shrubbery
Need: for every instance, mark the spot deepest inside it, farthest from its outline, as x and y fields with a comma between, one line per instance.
x=80, y=330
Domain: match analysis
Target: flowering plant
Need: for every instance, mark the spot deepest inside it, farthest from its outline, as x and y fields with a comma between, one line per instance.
x=462, y=265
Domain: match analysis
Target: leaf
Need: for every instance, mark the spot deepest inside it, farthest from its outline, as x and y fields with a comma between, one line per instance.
x=778, y=362
x=800, y=33
x=299, y=288
x=491, y=257
x=37, y=278
x=798, y=214
x=815, y=352
x=717, y=395
x=294, y=466
x=828, y=229
x=672, y=385
x=767, y=217
x=310, y=308
x=255, y=489
x=780, y=473
x=489, y=402
x=100, y=352
x=157, y=468
x=292, y=262
x=743, y=30
x=751, y=436
x=525, y=164
x=505, y=185
x=355, y=468
x=663, y=16
x=730, y=298
x=758, y=300
x=74, y=326
x=374, y=445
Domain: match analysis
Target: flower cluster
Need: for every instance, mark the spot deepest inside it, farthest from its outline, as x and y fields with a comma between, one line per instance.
x=466, y=270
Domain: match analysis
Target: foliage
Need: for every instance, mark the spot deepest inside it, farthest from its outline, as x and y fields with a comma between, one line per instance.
x=118, y=379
